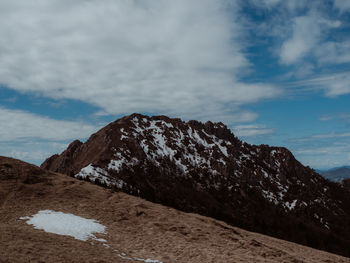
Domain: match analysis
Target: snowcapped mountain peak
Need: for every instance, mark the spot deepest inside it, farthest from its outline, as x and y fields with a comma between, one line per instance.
x=204, y=168
x=206, y=151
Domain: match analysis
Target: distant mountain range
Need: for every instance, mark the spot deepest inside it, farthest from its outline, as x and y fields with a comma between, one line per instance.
x=337, y=174
x=204, y=168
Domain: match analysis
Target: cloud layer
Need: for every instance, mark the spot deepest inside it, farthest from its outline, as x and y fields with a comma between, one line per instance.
x=33, y=138
x=172, y=57
x=251, y=130
x=189, y=59
x=17, y=125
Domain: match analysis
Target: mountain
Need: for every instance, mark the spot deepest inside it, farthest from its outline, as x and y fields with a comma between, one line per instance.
x=337, y=174
x=203, y=168
x=136, y=230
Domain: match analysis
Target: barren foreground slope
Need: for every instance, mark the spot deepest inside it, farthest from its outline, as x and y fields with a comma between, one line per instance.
x=134, y=226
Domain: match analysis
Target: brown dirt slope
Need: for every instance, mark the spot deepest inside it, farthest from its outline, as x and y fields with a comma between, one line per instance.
x=134, y=226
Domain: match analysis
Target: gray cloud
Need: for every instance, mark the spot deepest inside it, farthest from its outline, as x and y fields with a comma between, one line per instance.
x=171, y=57
x=33, y=138
x=342, y=6
x=327, y=155
x=289, y=6
x=18, y=125
x=333, y=52
x=34, y=151
x=323, y=150
x=267, y=4
x=324, y=157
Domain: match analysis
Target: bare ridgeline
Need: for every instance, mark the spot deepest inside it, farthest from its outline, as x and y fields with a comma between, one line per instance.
x=205, y=169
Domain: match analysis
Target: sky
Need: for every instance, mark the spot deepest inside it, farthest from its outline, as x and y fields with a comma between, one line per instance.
x=275, y=72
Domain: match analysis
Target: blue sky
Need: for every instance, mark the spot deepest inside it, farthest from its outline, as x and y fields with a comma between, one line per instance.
x=276, y=72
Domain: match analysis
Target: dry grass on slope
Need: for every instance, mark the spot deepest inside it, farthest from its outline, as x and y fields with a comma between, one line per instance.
x=134, y=226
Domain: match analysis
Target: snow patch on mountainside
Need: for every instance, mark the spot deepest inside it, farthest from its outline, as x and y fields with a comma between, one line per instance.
x=92, y=173
x=179, y=146
x=66, y=225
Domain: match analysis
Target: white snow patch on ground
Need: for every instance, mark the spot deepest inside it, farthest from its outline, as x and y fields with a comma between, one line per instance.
x=75, y=226
x=66, y=225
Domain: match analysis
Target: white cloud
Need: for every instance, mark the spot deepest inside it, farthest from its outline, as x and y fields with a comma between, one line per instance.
x=307, y=32
x=331, y=135
x=322, y=136
x=176, y=57
x=294, y=5
x=342, y=5
x=326, y=118
x=34, y=138
x=323, y=150
x=290, y=5
x=34, y=151
x=334, y=85
x=320, y=150
x=339, y=116
x=272, y=2
x=265, y=3
x=305, y=35
x=17, y=125
x=304, y=70
x=328, y=156
x=333, y=52
x=251, y=130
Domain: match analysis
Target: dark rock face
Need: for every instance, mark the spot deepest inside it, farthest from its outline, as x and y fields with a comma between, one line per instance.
x=65, y=161
x=204, y=168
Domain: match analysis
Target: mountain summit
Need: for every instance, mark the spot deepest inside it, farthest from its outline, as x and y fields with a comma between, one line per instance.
x=203, y=168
